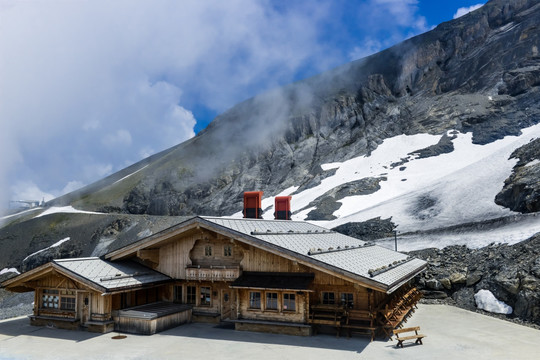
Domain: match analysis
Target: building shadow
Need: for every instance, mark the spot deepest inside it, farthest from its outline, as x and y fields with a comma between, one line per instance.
x=227, y=333
x=20, y=326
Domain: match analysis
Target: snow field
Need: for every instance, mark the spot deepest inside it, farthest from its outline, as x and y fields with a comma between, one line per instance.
x=459, y=187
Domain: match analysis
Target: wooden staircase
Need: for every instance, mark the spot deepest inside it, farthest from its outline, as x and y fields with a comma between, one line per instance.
x=397, y=310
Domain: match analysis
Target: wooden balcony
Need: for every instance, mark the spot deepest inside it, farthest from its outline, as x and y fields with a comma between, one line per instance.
x=212, y=273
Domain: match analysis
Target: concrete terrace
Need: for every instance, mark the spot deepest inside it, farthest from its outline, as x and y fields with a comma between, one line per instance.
x=452, y=333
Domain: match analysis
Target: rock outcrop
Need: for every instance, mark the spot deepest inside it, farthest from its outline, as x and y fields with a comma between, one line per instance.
x=511, y=273
x=521, y=190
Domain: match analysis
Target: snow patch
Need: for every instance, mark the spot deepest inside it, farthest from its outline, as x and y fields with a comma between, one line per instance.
x=534, y=162
x=133, y=173
x=485, y=300
x=144, y=233
x=102, y=246
x=20, y=213
x=330, y=166
x=9, y=270
x=56, y=244
x=66, y=209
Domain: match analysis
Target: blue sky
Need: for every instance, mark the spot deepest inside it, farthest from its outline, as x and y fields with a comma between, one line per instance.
x=90, y=87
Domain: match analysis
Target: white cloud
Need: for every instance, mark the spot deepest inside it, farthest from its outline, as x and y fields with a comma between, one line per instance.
x=465, y=10
x=97, y=170
x=403, y=13
x=27, y=190
x=135, y=76
x=368, y=47
x=92, y=124
x=121, y=137
x=387, y=22
x=80, y=99
x=71, y=186
x=145, y=152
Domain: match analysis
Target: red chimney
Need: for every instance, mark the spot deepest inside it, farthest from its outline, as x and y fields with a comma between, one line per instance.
x=252, y=204
x=282, y=208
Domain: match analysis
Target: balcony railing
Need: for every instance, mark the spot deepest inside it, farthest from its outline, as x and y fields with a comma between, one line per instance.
x=212, y=273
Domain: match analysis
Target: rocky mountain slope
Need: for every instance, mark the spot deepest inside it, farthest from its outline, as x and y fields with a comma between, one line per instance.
x=512, y=273
x=478, y=74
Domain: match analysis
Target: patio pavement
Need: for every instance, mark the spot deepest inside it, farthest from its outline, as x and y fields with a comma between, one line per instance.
x=451, y=333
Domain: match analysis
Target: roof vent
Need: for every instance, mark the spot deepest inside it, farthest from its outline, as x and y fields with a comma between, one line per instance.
x=282, y=208
x=252, y=204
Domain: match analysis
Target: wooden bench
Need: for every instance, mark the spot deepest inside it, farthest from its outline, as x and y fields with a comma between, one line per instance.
x=360, y=321
x=330, y=315
x=401, y=339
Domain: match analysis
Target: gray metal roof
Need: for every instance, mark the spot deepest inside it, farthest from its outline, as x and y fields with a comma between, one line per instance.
x=342, y=252
x=112, y=275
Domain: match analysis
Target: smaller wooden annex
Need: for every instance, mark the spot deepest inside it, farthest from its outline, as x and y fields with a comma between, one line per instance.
x=276, y=276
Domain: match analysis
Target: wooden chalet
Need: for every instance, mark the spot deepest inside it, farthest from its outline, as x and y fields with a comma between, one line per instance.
x=264, y=275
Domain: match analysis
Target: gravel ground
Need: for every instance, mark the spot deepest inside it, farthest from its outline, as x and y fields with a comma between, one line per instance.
x=13, y=305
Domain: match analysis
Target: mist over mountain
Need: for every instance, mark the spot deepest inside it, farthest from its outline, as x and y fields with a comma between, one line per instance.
x=478, y=75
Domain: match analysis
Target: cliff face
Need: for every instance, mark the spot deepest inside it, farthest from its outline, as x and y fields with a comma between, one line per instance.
x=479, y=73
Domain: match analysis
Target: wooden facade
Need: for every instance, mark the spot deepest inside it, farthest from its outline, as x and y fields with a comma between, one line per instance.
x=205, y=266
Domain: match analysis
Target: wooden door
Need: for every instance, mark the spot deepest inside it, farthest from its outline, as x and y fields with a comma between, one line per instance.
x=84, y=306
x=226, y=304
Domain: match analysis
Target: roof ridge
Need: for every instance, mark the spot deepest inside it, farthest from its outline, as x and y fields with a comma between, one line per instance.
x=291, y=232
x=317, y=251
x=78, y=259
x=251, y=219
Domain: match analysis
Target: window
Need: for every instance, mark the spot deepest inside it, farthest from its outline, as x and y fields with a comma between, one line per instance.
x=271, y=301
x=227, y=250
x=67, y=303
x=58, y=299
x=205, y=296
x=289, y=302
x=191, y=295
x=347, y=300
x=254, y=300
x=328, y=298
x=177, y=294
x=50, y=299
x=207, y=250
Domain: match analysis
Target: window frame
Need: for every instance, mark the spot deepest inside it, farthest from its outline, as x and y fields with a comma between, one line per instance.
x=273, y=305
x=208, y=250
x=58, y=300
x=348, y=303
x=49, y=298
x=178, y=290
x=227, y=251
x=253, y=300
x=191, y=295
x=205, y=298
x=325, y=298
x=287, y=302
x=68, y=303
